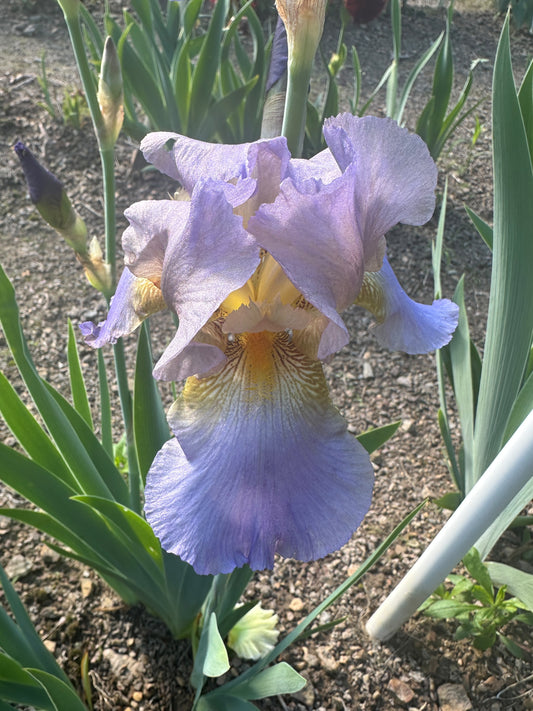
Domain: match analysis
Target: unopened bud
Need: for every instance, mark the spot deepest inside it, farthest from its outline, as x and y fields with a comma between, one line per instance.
x=96, y=270
x=304, y=22
x=110, y=94
x=50, y=198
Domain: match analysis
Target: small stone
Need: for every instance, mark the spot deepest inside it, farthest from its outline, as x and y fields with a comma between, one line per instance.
x=306, y=696
x=453, y=697
x=368, y=372
x=50, y=645
x=405, y=381
x=49, y=555
x=86, y=587
x=18, y=567
x=137, y=696
x=296, y=604
x=408, y=426
x=401, y=690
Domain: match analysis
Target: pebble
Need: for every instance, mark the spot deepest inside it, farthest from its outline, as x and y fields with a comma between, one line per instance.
x=306, y=695
x=453, y=697
x=401, y=690
x=86, y=585
x=296, y=604
x=18, y=567
x=49, y=555
x=368, y=372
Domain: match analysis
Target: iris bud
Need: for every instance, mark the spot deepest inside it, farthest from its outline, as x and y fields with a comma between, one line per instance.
x=110, y=95
x=304, y=22
x=51, y=200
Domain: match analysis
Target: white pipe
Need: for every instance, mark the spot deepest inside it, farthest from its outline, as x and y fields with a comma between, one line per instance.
x=510, y=471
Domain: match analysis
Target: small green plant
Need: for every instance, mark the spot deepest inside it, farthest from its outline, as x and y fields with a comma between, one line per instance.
x=481, y=610
x=45, y=88
x=74, y=106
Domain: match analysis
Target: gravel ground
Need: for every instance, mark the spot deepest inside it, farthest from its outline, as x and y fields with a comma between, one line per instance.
x=133, y=660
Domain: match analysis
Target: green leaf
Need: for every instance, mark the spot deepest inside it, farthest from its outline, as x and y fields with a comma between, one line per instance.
x=205, y=71
x=215, y=661
x=61, y=694
x=447, y=609
x=149, y=422
x=105, y=406
x=485, y=231
x=134, y=527
x=515, y=650
x=29, y=433
x=460, y=356
x=525, y=96
x=31, y=651
x=87, y=477
x=450, y=500
x=77, y=382
x=376, y=437
x=279, y=679
x=108, y=474
x=519, y=583
x=478, y=570
x=522, y=406
x=510, y=318
x=224, y=702
x=17, y=685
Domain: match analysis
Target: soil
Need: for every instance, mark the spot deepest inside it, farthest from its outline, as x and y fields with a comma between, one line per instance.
x=134, y=662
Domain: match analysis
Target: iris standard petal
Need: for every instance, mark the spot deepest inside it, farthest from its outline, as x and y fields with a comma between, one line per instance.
x=213, y=256
x=152, y=224
x=134, y=300
x=404, y=324
x=189, y=160
x=395, y=174
x=262, y=463
x=311, y=230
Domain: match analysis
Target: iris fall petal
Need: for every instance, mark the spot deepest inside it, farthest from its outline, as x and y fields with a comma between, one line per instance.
x=404, y=324
x=262, y=463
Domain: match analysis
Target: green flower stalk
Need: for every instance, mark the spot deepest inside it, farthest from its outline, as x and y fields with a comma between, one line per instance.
x=110, y=96
x=304, y=22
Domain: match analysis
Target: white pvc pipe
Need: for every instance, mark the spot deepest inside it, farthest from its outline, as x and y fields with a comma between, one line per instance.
x=505, y=477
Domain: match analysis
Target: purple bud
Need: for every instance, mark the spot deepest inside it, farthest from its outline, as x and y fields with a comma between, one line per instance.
x=42, y=184
x=278, y=61
x=50, y=198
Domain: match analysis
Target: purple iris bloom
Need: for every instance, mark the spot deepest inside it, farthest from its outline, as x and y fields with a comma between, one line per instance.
x=258, y=265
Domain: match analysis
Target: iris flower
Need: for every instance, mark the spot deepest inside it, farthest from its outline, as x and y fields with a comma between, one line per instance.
x=258, y=264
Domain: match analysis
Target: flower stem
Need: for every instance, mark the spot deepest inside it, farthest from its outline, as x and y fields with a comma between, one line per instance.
x=126, y=404
x=107, y=158
x=502, y=481
x=72, y=19
x=293, y=129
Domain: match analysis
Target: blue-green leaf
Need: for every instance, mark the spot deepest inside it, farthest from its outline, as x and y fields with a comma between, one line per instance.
x=77, y=382
x=279, y=679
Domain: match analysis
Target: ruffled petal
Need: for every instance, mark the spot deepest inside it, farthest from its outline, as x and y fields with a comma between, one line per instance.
x=311, y=230
x=395, y=174
x=213, y=256
x=134, y=300
x=262, y=463
x=404, y=324
x=322, y=166
x=189, y=160
x=152, y=224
